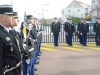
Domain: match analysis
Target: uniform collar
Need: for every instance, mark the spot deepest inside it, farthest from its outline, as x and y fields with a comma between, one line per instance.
x=7, y=29
x=99, y=22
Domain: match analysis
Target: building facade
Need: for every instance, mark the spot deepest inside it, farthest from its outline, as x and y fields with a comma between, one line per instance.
x=95, y=5
x=75, y=9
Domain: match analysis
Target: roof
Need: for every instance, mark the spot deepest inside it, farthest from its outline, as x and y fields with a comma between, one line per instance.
x=82, y=4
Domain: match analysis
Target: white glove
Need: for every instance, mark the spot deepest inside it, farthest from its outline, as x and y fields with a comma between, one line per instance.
x=36, y=40
x=81, y=33
x=28, y=61
x=78, y=31
x=39, y=32
x=93, y=33
x=66, y=33
x=24, y=46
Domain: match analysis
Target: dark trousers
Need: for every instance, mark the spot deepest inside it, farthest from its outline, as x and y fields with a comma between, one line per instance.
x=16, y=71
x=56, y=39
x=80, y=38
x=70, y=35
x=84, y=38
x=28, y=69
x=97, y=39
x=67, y=38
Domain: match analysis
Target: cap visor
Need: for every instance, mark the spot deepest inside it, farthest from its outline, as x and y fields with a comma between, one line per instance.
x=9, y=13
x=15, y=16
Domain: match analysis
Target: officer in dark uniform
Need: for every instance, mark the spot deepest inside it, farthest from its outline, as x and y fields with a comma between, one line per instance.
x=38, y=38
x=96, y=28
x=84, y=29
x=40, y=29
x=15, y=33
x=79, y=35
x=55, y=28
x=70, y=29
x=34, y=37
x=10, y=55
x=65, y=25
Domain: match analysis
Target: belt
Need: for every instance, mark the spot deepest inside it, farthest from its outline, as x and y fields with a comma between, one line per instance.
x=7, y=70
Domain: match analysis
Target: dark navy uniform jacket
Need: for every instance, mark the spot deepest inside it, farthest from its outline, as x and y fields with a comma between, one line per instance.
x=70, y=28
x=79, y=25
x=96, y=27
x=84, y=28
x=65, y=25
x=55, y=27
x=9, y=52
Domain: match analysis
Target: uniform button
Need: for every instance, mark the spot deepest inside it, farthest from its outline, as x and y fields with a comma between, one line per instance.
x=10, y=43
x=8, y=66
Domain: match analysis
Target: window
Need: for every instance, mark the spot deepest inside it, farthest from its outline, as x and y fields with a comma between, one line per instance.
x=62, y=12
x=81, y=15
x=65, y=16
x=68, y=10
x=78, y=10
x=68, y=16
x=62, y=21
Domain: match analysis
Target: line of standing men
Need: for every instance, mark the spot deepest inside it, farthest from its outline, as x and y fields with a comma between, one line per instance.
x=69, y=28
x=35, y=33
x=96, y=29
x=14, y=52
x=83, y=29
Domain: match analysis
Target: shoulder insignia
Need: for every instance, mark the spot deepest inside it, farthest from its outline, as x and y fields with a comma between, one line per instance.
x=7, y=38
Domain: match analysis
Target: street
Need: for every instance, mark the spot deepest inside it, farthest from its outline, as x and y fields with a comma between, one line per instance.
x=76, y=60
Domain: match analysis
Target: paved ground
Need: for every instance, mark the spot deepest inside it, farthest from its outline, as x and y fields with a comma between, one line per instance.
x=69, y=60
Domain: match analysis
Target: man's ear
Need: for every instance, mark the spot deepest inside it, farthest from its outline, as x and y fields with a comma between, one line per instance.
x=2, y=17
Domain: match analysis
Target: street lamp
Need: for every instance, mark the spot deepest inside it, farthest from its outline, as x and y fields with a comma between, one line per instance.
x=11, y=2
x=34, y=15
x=44, y=10
x=40, y=14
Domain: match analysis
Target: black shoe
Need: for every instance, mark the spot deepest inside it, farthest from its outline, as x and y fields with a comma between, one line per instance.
x=36, y=74
x=38, y=58
x=37, y=62
x=35, y=69
x=97, y=45
x=39, y=54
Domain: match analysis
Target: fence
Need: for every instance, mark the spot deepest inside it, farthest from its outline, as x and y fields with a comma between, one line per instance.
x=48, y=36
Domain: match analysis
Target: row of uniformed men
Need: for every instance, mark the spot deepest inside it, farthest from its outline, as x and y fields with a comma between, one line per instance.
x=33, y=40
x=69, y=28
x=96, y=31
x=14, y=51
x=83, y=29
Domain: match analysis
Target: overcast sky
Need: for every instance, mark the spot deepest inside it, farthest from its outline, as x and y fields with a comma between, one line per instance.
x=54, y=8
